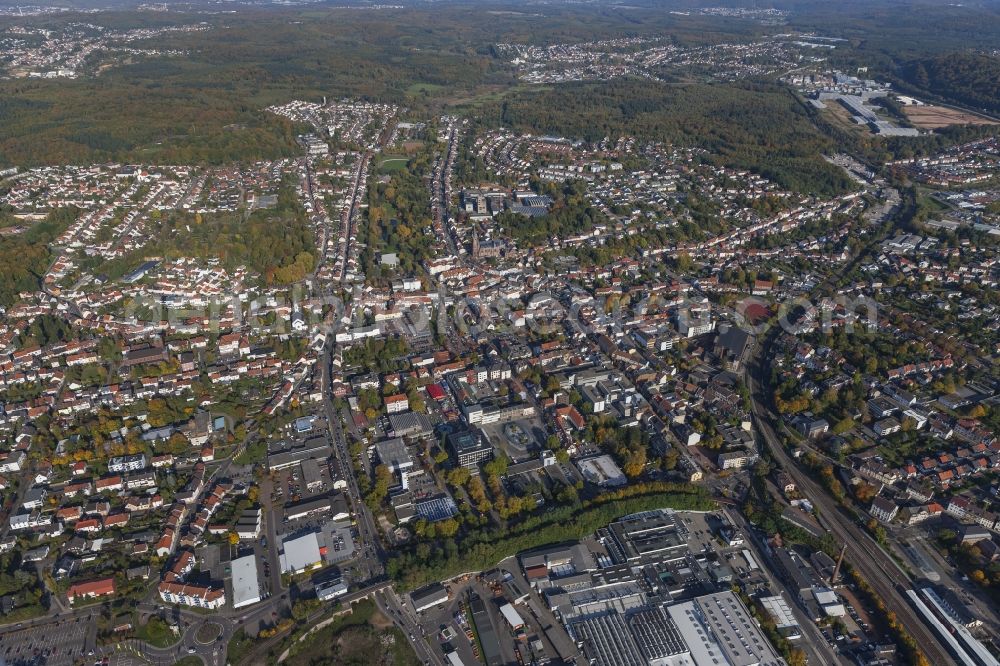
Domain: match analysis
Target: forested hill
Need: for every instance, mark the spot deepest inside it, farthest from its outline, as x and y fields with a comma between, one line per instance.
x=25, y=257
x=966, y=78
x=759, y=127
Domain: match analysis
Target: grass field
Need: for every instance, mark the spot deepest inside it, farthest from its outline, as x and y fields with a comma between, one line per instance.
x=491, y=94
x=841, y=117
x=928, y=202
x=934, y=117
x=208, y=633
x=392, y=163
x=190, y=661
x=420, y=88
x=358, y=646
x=413, y=146
x=239, y=645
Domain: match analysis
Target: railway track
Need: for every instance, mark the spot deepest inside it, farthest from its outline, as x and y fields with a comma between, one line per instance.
x=875, y=565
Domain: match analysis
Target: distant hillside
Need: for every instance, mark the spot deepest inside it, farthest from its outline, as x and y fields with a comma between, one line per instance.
x=758, y=127
x=968, y=79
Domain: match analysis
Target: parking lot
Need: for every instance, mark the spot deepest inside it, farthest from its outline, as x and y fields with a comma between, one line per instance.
x=289, y=486
x=52, y=644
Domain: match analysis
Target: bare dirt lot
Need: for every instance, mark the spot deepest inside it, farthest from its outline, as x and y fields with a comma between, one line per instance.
x=933, y=117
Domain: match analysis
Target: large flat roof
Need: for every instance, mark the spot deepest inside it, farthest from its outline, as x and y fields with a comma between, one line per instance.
x=602, y=470
x=718, y=628
x=301, y=553
x=393, y=454
x=246, y=584
x=509, y=614
x=780, y=611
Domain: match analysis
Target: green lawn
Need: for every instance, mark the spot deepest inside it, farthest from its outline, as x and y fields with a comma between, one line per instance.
x=255, y=452
x=208, y=632
x=420, y=88
x=490, y=95
x=393, y=163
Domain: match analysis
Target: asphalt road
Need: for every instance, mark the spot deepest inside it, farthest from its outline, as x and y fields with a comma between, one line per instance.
x=72, y=637
x=403, y=617
x=369, y=544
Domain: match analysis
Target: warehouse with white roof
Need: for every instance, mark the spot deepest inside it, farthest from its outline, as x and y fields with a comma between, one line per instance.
x=300, y=554
x=246, y=584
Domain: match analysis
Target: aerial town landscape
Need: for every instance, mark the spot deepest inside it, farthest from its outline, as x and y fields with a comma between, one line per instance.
x=526, y=332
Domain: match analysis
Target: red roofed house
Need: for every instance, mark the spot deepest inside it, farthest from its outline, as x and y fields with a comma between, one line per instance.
x=116, y=520
x=572, y=415
x=396, y=403
x=69, y=513
x=192, y=595
x=74, y=489
x=166, y=543
x=165, y=460
x=109, y=483
x=229, y=344
x=88, y=525
x=97, y=588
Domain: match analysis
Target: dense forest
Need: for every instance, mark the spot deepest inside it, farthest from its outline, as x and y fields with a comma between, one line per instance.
x=206, y=106
x=966, y=78
x=133, y=120
x=25, y=257
x=898, y=29
x=754, y=126
x=398, y=213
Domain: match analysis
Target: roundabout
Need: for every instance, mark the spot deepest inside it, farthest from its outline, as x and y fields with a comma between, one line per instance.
x=208, y=633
